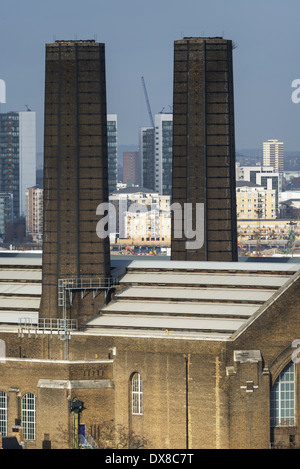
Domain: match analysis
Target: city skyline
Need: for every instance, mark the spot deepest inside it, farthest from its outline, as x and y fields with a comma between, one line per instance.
x=139, y=42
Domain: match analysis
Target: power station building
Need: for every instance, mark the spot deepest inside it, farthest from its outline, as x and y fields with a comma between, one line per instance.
x=184, y=354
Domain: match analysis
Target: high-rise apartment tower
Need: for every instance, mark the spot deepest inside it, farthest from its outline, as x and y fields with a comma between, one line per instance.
x=204, y=149
x=147, y=156
x=34, y=213
x=156, y=154
x=112, y=149
x=18, y=156
x=131, y=168
x=75, y=174
x=273, y=155
x=163, y=153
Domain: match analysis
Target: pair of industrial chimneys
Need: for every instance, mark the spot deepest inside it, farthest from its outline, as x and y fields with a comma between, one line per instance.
x=76, y=163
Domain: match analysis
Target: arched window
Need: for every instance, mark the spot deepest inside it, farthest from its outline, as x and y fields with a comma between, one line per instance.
x=28, y=416
x=137, y=394
x=3, y=413
x=282, y=401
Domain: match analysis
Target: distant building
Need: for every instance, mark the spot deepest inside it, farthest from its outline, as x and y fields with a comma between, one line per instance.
x=248, y=173
x=112, y=148
x=152, y=225
x=254, y=201
x=6, y=211
x=289, y=209
x=163, y=153
x=34, y=213
x=18, y=156
x=263, y=176
x=153, y=207
x=147, y=156
x=156, y=154
x=273, y=155
x=131, y=168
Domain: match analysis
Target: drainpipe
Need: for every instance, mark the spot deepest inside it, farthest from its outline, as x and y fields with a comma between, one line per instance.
x=187, y=364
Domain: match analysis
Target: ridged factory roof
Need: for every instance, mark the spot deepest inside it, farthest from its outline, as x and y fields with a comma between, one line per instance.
x=20, y=285
x=196, y=300
x=158, y=297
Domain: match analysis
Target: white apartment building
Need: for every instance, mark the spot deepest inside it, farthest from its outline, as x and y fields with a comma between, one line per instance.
x=273, y=155
x=254, y=201
x=34, y=213
x=150, y=225
x=155, y=147
x=163, y=153
x=134, y=205
x=264, y=176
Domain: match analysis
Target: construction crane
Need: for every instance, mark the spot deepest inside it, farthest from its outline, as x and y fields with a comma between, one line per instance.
x=147, y=101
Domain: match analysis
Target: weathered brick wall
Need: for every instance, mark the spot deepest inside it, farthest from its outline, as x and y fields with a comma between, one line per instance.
x=75, y=170
x=203, y=145
x=209, y=393
x=272, y=333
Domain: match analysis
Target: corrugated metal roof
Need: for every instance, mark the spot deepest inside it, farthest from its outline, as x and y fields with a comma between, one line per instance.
x=213, y=294
x=159, y=263
x=176, y=309
x=204, y=279
x=20, y=289
x=179, y=300
x=20, y=303
x=20, y=286
x=159, y=322
x=161, y=298
x=20, y=275
x=13, y=317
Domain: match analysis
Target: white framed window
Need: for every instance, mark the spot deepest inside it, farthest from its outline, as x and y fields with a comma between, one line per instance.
x=28, y=416
x=282, y=399
x=3, y=413
x=137, y=394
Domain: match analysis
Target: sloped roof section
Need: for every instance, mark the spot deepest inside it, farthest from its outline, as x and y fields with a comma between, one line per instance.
x=196, y=300
x=20, y=286
x=158, y=298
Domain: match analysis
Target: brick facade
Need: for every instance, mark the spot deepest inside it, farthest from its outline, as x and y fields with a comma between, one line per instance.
x=200, y=393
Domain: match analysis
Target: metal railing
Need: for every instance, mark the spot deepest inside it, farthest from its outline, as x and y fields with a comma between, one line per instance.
x=52, y=324
x=83, y=284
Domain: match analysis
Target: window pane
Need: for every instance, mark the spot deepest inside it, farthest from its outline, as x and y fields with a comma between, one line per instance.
x=28, y=416
x=282, y=404
x=137, y=394
x=3, y=413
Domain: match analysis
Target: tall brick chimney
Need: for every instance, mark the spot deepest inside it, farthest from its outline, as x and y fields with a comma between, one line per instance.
x=75, y=173
x=204, y=147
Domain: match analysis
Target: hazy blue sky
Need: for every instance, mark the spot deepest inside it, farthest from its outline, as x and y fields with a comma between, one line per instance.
x=139, y=37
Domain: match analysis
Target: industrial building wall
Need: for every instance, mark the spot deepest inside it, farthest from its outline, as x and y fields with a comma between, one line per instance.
x=196, y=393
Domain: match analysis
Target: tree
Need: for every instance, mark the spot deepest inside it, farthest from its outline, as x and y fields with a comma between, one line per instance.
x=117, y=436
